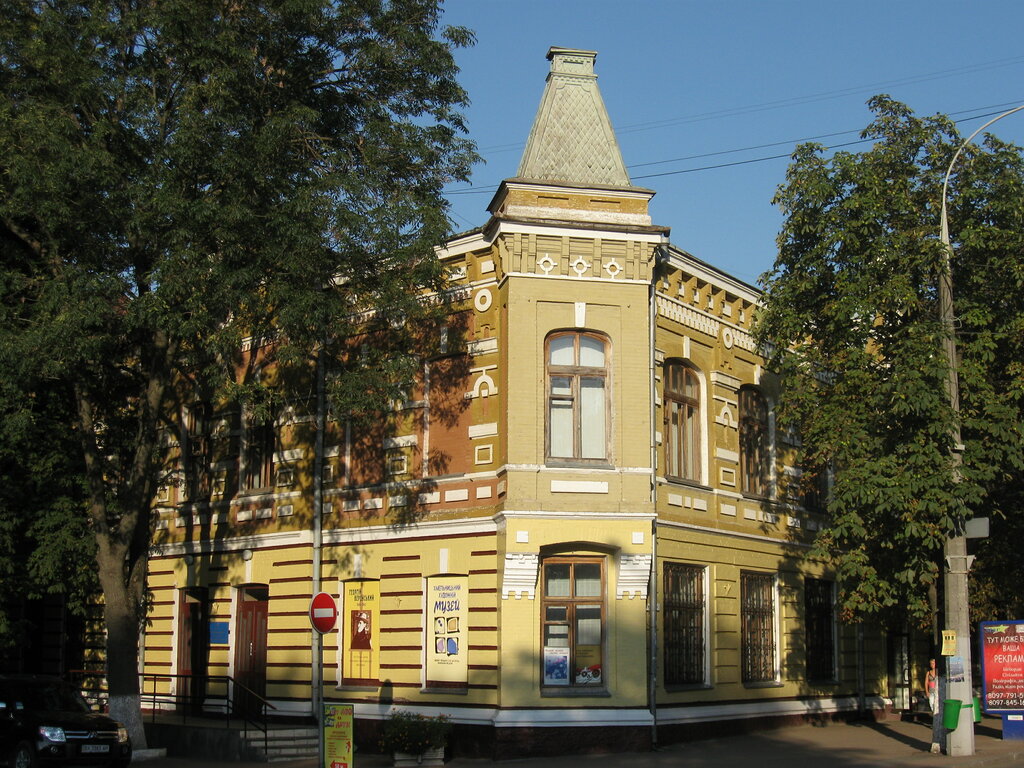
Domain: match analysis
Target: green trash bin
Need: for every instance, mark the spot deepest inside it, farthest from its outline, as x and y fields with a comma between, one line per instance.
x=951, y=713
x=977, y=709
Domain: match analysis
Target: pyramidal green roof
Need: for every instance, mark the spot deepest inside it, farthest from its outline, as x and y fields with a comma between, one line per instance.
x=572, y=140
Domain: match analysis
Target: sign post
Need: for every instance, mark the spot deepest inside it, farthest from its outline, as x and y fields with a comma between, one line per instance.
x=1002, y=673
x=323, y=614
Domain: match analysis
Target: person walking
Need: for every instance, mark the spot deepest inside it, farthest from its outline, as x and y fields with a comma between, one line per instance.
x=931, y=686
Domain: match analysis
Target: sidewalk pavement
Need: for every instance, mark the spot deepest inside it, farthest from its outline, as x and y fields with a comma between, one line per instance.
x=866, y=744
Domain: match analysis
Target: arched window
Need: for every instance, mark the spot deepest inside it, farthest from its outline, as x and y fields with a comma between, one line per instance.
x=577, y=378
x=682, y=422
x=754, y=448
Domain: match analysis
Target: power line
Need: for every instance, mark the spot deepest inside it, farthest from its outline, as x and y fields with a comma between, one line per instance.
x=790, y=142
x=793, y=100
x=824, y=96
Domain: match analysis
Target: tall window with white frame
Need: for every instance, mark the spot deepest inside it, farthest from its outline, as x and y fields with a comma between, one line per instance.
x=573, y=622
x=820, y=628
x=757, y=627
x=684, y=624
x=258, y=466
x=578, y=410
x=754, y=445
x=682, y=422
x=196, y=450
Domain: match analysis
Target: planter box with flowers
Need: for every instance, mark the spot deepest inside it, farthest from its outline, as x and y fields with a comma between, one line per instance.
x=415, y=740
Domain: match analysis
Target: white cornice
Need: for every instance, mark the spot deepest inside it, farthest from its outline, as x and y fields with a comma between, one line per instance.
x=733, y=534
x=679, y=259
x=559, y=230
x=232, y=544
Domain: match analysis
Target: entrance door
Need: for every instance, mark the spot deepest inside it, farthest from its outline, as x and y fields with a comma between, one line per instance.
x=193, y=646
x=251, y=650
x=899, y=671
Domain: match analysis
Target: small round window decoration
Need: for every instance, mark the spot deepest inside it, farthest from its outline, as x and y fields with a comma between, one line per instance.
x=482, y=300
x=727, y=338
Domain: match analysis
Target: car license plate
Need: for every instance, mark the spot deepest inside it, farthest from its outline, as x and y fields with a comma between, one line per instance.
x=92, y=749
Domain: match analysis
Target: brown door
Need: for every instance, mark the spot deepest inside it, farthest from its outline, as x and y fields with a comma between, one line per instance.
x=251, y=651
x=193, y=647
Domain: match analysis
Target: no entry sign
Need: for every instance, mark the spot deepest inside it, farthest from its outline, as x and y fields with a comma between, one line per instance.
x=323, y=612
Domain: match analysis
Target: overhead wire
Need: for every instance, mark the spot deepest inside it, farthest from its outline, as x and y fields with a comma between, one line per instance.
x=789, y=142
x=792, y=100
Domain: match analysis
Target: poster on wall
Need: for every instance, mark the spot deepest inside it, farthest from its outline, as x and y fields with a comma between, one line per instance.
x=556, y=666
x=447, y=611
x=588, y=664
x=360, y=664
x=337, y=735
x=1002, y=666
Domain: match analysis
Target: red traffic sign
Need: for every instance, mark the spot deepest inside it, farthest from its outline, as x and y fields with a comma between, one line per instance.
x=323, y=612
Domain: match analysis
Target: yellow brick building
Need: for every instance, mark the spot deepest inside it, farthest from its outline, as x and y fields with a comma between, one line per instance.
x=580, y=531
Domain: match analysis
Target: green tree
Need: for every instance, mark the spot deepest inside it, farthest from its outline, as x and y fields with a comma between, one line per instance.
x=180, y=175
x=852, y=322
x=45, y=546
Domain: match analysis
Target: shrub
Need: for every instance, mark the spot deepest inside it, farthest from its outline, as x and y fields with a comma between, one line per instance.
x=413, y=733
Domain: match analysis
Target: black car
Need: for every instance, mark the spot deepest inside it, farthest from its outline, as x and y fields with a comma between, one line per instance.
x=44, y=721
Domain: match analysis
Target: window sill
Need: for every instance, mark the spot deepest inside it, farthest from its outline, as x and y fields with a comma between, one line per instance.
x=763, y=684
x=577, y=464
x=688, y=484
x=574, y=693
x=683, y=687
x=247, y=493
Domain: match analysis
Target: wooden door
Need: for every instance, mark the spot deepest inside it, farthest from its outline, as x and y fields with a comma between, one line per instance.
x=251, y=650
x=193, y=647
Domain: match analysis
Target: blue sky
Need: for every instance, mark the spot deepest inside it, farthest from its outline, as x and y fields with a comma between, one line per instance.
x=701, y=80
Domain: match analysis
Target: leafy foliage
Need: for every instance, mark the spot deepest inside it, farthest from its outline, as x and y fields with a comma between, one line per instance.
x=413, y=733
x=852, y=320
x=181, y=176
x=45, y=542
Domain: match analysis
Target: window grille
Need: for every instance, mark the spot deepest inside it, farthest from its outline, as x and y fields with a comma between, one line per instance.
x=684, y=624
x=757, y=619
x=819, y=624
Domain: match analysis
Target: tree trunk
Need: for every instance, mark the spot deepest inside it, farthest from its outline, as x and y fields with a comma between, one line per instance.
x=121, y=612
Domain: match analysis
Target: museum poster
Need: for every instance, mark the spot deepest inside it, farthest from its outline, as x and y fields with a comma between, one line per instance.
x=446, y=629
x=337, y=728
x=359, y=626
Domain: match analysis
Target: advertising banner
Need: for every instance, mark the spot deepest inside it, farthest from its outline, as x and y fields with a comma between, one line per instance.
x=360, y=663
x=1002, y=665
x=447, y=612
x=337, y=735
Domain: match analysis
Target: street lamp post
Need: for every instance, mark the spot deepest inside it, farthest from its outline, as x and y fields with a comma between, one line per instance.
x=961, y=740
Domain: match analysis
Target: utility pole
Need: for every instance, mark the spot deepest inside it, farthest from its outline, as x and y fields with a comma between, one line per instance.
x=958, y=666
x=960, y=741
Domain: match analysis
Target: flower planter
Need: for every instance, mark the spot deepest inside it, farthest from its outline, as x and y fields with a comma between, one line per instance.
x=432, y=757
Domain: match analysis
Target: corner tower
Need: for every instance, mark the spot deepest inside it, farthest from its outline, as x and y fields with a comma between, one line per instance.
x=572, y=168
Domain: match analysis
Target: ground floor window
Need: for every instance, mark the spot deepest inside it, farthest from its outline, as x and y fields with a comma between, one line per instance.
x=820, y=629
x=757, y=625
x=573, y=621
x=684, y=619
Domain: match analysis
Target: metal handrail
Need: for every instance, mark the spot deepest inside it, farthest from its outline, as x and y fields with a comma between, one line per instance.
x=182, y=699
